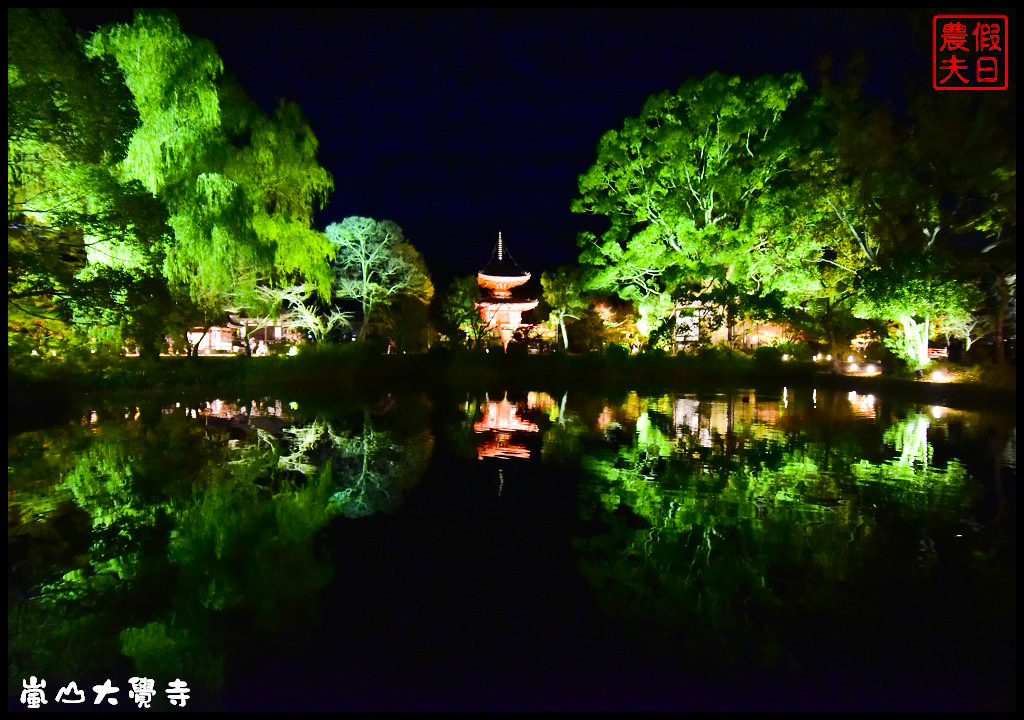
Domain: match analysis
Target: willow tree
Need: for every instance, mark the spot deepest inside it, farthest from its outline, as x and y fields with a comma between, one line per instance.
x=70, y=119
x=696, y=193
x=240, y=188
x=143, y=187
x=374, y=265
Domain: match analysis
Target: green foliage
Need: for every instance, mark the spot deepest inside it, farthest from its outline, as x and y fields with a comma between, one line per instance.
x=70, y=120
x=375, y=265
x=240, y=188
x=131, y=165
x=696, y=191
x=459, y=311
x=563, y=292
x=900, y=204
x=294, y=303
x=914, y=291
x=731, y=189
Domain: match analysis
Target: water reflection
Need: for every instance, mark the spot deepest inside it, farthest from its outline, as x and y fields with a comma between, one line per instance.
x=735, y=534
x=725, y=522
x=502, y=422
x=140, y=538
x=862, y=405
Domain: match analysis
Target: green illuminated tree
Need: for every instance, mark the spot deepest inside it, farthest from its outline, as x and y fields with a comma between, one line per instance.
x=460, y=313
x=69, y=122
x=296, y=305
x=375, y=265
x=563, y=292
x=240, y=188
x=914, y=291
x=132, y=164
x=904, y=205
x=696, y=191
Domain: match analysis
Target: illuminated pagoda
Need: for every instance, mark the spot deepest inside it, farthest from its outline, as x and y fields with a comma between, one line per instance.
x=500, y=310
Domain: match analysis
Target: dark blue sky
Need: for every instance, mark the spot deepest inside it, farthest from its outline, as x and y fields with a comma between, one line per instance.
x=459, y=123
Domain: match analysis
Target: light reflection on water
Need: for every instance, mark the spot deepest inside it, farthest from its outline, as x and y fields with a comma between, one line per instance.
x=697, y=522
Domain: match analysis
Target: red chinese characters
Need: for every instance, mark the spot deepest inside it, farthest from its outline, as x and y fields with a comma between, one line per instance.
x=969, y=52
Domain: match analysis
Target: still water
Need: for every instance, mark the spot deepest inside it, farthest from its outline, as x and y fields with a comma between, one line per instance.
x=750, y=549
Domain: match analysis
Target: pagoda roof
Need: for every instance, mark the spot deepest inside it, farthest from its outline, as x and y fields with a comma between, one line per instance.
x=502, y=265
x=511, y=303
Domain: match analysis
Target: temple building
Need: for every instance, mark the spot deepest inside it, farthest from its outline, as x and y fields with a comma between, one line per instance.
x=500, y=309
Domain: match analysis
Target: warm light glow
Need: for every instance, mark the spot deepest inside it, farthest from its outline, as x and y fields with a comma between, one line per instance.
x=503, y=416
x=501, y=421
x=939, y=376
x=854, y=367
x=293, y=351
x=850, y=358
x=870, y=369
x=785, y=357
x=937, y=411
x=828, y=357
x=862, y=405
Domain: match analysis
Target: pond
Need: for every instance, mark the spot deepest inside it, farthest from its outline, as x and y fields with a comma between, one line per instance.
x=748, y=549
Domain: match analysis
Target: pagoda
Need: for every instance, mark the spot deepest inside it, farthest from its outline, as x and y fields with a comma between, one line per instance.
x=500, y=310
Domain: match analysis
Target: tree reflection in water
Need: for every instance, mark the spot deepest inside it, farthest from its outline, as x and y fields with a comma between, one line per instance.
x=193, y=530
x=737, y=534
x=799, y=536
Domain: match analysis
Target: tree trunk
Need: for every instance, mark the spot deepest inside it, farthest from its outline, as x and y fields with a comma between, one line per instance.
x=915, y=341
x=194, y=349
x=1004, y=301
x=245, y=339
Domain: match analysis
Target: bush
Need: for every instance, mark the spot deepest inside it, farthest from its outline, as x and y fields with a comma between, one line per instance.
x=617, y=353
x=768, y=357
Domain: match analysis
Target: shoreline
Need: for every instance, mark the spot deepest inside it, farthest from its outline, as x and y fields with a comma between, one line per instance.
x=36, y=399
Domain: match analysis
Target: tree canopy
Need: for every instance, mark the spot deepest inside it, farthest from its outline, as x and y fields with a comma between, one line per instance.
x=133, y=161
x=742, y=193
x=375, y=265
x=695, y=192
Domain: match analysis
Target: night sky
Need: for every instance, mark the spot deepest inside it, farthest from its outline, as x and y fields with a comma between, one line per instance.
x=459, y=123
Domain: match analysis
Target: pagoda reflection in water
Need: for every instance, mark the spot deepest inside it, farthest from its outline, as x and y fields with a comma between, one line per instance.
x=500, y=423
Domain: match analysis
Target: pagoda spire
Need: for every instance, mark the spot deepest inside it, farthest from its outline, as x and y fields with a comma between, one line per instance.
x=501, y=246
